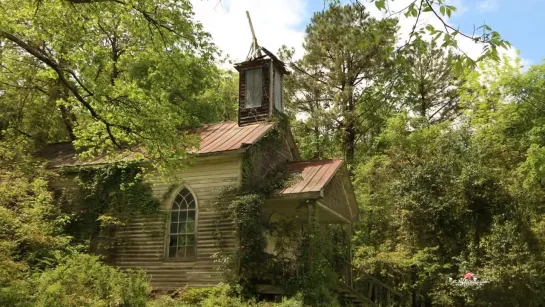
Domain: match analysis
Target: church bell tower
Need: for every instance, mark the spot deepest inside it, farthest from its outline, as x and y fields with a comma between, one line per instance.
x=260, y=84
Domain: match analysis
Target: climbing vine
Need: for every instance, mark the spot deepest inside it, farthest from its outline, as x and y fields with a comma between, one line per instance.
x=244, y=206
x=106, y=197
x=305, y=252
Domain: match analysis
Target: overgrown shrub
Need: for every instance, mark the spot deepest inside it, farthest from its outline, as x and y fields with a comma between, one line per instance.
x=197, y=295
x=31, y=226
x=219, y=296
x=166, y=301
x=82, y=280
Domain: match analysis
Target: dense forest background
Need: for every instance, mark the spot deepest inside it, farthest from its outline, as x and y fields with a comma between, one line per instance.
x=447, y=155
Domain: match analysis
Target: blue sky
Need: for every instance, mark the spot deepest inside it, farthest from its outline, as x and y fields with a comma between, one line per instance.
x=521, y=22
x=282, y=22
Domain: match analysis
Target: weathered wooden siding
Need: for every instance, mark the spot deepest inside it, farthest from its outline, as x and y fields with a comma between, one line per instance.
x=143, y=240
x=339, y=196
x=335, y=197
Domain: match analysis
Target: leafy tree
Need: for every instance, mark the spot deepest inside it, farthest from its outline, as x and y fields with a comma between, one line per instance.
x=309, y=105
x=431, y=85
x=442, y=199
x=107, y=74
x=442, y=212
x=219, y=102
x=346, y=53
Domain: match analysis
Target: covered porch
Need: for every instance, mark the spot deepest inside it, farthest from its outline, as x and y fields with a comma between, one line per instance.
x=319, y=200
x=320, y=186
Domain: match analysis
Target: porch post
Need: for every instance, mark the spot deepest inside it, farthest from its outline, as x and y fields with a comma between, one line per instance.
x=310, y=226
x=350, y=277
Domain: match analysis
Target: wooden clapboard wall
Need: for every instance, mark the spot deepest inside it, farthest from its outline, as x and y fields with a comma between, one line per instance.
x=143, y=240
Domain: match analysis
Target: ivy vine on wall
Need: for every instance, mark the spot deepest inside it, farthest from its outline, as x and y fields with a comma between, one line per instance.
x=306, y=253
x=105, y=198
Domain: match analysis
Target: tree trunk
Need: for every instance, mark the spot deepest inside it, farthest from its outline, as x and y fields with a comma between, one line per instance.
x=67, y=120
x=349, y=134
x=59, y=91
x=317, y=150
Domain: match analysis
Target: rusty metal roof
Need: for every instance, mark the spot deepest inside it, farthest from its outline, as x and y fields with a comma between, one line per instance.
x=215, y=138
x=229, y=136
x=314, y=175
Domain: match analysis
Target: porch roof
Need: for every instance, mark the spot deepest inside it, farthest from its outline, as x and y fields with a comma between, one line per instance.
x=313, y=175
x=327, y=182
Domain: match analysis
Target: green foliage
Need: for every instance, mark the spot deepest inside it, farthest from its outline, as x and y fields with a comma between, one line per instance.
x=221, y=295
x=110, y=75
x=323, y=244
x=438, y=198
x=335, y=84
x=295, y=241
x=321, y=258
x=440, y=11
x=220, y=99
x=445, y=211
x=165, y=301
x=197, y=295
x=107, y=197
x=38, y=263
x=245, y=209
x=431, y=86
x=82, y=280
x=31, y=227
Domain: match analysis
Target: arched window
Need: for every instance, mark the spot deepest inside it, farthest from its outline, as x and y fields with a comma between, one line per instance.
x=182, y=226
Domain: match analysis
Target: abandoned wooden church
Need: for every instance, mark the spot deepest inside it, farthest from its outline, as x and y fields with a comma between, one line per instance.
x=177, y=249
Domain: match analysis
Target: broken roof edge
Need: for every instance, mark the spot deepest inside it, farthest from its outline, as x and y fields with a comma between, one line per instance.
x=279, y=64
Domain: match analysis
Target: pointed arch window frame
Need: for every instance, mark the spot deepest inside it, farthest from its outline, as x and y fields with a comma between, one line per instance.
x=181, y=241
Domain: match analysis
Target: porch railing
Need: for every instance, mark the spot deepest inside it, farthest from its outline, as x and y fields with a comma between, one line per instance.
x=365, y=289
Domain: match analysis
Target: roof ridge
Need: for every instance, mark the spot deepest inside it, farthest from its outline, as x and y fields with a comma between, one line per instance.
x=215, y=138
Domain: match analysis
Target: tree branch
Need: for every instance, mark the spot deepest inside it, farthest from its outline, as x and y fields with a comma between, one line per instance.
x=60, y=72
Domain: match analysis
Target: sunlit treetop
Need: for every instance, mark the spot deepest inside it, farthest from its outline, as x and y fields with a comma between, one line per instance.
x=104, y=74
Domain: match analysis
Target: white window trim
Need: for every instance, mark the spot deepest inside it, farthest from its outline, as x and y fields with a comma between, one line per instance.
x=169, y=221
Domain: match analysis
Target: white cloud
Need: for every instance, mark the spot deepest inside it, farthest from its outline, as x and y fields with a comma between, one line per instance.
x=281, y=22
x=276, y=23
x=487, y=5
